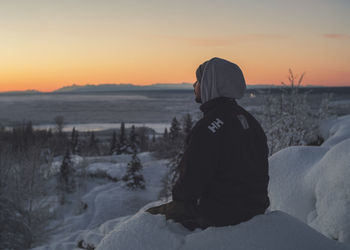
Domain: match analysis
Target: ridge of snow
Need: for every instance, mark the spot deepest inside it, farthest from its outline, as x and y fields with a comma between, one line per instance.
x=335, y=130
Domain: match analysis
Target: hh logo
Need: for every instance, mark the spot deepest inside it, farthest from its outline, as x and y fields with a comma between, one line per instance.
x=215, y=125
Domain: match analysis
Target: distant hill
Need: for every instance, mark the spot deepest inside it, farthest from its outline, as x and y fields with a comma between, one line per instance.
x=123, y=87
x=130, y=87
x=29, y=91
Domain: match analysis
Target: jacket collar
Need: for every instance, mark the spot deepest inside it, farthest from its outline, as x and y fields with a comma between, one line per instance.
x=211, y=104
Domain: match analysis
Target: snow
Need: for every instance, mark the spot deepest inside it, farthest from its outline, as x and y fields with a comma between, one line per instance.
x=288, y=189
x=308, y=186
x=275, y=230
x=113, y=170
x=335, y=130
x=312, y=183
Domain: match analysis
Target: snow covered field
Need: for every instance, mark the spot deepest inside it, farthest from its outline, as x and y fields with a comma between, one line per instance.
x=308, y=186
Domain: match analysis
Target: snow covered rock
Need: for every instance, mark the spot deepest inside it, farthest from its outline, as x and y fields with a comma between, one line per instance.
x=312, y=183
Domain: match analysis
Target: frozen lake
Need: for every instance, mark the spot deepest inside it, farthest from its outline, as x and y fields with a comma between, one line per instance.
x=106, y=110
x=97, y=108
x=158, y=127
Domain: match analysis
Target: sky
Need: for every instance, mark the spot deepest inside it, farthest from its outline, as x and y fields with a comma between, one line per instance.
x=47, y=44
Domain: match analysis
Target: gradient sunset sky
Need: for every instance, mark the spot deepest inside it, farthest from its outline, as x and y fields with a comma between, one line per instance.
x=47, y=44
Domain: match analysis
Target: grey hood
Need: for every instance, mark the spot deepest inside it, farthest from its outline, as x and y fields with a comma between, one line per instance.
x=220, y=78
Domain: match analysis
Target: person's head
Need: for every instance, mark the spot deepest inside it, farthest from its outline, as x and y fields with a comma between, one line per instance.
x=218, y=78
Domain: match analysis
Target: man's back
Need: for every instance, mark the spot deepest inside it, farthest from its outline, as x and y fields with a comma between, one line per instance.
x=225, y=167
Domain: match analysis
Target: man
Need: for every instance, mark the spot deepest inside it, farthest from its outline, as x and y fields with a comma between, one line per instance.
x=224, y=170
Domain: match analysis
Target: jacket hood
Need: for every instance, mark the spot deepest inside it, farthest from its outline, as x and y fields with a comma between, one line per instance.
x=220, y=78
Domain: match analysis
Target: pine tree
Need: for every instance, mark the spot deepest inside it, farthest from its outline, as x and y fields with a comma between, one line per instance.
x=165, y=134
x=133, y=141
x=133, y=177
x=143, y=139
x=177, y=151
x=113, y=146
x=66, y=182
x=122, y=143
x=74, y=141
x=187, y=125
x=93, y=145
x=175, y=130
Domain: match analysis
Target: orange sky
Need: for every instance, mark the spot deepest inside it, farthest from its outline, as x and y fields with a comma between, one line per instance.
x=49, y=44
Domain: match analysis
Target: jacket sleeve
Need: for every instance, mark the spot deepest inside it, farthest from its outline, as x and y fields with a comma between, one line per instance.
x=198, y=165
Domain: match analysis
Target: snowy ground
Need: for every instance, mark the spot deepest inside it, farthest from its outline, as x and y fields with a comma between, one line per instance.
x=275, y=230
x=100, y=200
x=308, y=185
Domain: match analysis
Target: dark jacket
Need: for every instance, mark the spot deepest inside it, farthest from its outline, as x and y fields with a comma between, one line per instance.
x=224, y=170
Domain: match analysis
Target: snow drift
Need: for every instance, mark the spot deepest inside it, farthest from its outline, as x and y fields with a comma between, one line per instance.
x=312, y=183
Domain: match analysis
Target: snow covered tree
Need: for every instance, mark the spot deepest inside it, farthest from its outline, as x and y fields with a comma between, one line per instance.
x=288, y=117
x=133, y=177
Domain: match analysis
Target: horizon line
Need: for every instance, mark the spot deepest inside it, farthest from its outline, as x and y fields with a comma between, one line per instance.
x=153, y=84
